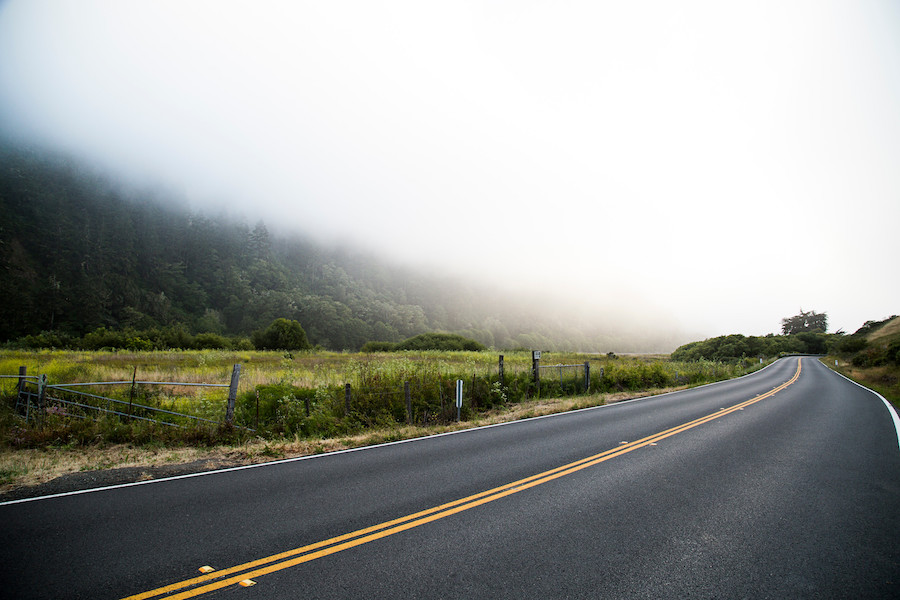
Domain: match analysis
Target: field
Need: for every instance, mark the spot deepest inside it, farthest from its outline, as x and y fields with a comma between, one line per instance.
x=297, y=404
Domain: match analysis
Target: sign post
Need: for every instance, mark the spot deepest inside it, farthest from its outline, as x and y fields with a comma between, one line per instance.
x=459, y=384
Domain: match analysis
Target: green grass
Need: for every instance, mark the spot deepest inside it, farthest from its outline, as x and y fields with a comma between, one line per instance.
x=301, y=395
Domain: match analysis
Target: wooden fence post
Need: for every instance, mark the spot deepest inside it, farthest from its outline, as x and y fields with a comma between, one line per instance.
x=131, y=396
x=502, y=380
x=536, y=369
x=409, y=415
x=347, y=398
x=42, y=397
x=587, y=377
x=23, y=372
x=232, y=394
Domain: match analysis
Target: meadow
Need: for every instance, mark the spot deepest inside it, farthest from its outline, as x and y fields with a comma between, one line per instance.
x=307, y=393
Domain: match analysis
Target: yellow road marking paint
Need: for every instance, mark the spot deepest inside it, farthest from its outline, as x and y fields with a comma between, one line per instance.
x=333, y=545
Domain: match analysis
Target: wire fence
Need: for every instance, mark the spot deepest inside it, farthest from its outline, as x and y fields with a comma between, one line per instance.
x=36, y=399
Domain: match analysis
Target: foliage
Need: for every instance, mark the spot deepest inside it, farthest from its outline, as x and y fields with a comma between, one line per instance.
x=440, y=341
x=805, y=322
x=872, y=328
x=875, y=344
x=871, y=356
x=379, y=347
x=102, y=338
x=735, y=347
x=305, y=395
x=282, y=334
x=884, y=378
x=79, y=252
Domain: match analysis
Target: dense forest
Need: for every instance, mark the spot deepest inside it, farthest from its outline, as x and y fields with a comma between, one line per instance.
x=82, y=253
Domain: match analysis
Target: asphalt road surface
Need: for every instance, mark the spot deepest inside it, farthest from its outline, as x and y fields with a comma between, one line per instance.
x=781, y=484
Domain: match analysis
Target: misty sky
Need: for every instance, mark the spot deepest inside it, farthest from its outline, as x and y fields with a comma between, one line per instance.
x=720, y=164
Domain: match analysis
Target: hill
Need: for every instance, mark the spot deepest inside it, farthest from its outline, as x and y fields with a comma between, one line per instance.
x=80, y=250
x=887, y=332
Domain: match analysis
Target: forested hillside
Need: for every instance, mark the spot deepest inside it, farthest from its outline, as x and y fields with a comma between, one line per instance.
x=79, y=251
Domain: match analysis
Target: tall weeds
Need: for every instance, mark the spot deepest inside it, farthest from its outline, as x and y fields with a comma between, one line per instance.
x=304, y=394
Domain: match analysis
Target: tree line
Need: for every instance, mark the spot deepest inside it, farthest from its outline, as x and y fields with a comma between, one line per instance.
x=81, y=253
x=804, y=333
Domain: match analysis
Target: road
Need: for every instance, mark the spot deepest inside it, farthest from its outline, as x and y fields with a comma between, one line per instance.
x=781, y=484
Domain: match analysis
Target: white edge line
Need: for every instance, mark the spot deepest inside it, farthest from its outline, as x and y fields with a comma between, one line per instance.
x=417, y=439
x=891, y=410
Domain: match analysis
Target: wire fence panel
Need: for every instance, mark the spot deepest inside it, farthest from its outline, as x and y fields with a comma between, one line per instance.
x=36, y=399
x=563, y=379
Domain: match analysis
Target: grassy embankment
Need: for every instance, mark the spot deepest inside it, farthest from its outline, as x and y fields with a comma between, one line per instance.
x=288, y=386
x=883, y=378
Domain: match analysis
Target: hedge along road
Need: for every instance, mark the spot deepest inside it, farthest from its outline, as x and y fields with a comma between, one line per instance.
x=785, y=483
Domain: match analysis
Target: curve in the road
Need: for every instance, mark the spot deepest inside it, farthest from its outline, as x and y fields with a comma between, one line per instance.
x=244, y=574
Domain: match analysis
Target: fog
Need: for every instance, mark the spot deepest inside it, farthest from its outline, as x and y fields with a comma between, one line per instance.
x=716, y=165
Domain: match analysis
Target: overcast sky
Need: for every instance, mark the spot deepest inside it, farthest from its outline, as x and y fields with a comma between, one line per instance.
x=723, y=164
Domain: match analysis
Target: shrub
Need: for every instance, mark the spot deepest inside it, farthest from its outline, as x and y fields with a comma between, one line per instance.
x=379, y=347
x=211, y=341
x=45, y=339
x=893, y=353
x=852, y=344
x=282, y=334
x=440, y=341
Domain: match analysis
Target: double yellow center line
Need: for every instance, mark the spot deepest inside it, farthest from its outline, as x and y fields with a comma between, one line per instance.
x=244, y=573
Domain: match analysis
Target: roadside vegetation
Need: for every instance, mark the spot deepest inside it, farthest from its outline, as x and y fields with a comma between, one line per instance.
x=300, y=400
x=871, y=356
x=294, y=403
x=803, y=333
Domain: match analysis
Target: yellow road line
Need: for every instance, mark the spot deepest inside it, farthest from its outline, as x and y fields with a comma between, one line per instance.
x=333, y=545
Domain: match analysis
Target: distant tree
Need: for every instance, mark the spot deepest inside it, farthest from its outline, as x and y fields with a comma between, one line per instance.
x=258, y=242
x=282, y=334
x=805, y=322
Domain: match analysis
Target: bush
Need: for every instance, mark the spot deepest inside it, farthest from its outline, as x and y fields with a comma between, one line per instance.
x=893, y=353
x=45, y=339
x=851, y=344
x=282, y=410
x=440, y=341
x=379, y=347
x=282, y=334
x=211, y=341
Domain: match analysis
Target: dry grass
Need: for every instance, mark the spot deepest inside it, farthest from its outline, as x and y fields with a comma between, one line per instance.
x=891, y=328
x=884, y=379
x=25, y=467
